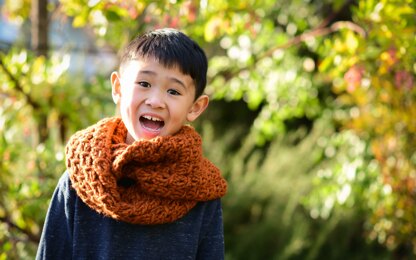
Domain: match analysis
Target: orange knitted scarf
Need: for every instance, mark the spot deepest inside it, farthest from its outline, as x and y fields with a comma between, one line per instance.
x=148, y=182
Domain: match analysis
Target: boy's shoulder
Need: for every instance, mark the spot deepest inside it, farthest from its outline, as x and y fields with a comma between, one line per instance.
x=64, y=190
x=64, y=181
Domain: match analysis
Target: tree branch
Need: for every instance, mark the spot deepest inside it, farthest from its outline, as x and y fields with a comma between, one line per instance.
x=333, y=15
x=32, y=237
x=321, y=30
x=43, y=131
x=35, y=105
x=316, y=33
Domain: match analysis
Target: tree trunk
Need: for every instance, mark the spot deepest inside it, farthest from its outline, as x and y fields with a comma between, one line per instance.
x=39, y=30
x=39, y=44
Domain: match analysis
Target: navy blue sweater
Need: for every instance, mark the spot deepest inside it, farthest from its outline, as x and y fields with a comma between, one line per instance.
x=74, y=231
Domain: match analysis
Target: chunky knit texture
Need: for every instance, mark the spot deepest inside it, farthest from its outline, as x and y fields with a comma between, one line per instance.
x=148, y=182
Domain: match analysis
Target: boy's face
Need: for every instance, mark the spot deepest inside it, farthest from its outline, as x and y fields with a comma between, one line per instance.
x=154, y=100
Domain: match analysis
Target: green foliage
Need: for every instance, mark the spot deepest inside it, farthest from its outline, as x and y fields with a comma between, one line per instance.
x=373, y=75
x=34, y=89
x=312, y=120
x=279, y=93
x=25, y=163
x=264, y=211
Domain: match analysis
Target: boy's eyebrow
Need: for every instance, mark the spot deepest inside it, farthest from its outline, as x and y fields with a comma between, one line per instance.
x=152, y=73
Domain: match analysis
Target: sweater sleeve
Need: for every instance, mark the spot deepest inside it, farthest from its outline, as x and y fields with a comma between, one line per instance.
x=56, y=238
x=211, y=245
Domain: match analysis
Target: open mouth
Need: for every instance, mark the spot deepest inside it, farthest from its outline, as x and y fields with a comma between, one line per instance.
x=151, y=123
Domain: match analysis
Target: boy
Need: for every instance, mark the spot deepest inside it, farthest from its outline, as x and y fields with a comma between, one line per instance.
x=138, y=187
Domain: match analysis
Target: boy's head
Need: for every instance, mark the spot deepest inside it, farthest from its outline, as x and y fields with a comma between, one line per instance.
x=160, y=84
x=171, y=48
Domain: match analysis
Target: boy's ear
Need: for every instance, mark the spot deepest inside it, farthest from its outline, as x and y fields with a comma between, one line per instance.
x=197, y=108
x=115, y=86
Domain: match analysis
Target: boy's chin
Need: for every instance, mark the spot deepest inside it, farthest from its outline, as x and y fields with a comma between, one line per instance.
x=150, y=134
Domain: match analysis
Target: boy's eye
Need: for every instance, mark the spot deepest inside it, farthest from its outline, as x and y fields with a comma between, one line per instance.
x=173, y=92
x=144, y=84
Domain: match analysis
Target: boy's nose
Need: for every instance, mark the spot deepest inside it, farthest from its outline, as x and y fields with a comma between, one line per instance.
x=155, y=100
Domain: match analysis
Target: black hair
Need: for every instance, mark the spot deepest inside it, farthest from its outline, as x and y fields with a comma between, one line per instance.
x=171, y=48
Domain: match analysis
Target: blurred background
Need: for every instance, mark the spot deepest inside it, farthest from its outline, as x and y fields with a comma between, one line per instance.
x=312, y=119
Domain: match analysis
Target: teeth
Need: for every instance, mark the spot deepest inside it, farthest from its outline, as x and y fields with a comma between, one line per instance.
x=152, y=118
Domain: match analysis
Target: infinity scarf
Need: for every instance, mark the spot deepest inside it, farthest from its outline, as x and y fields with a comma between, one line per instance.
x=148, y=182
